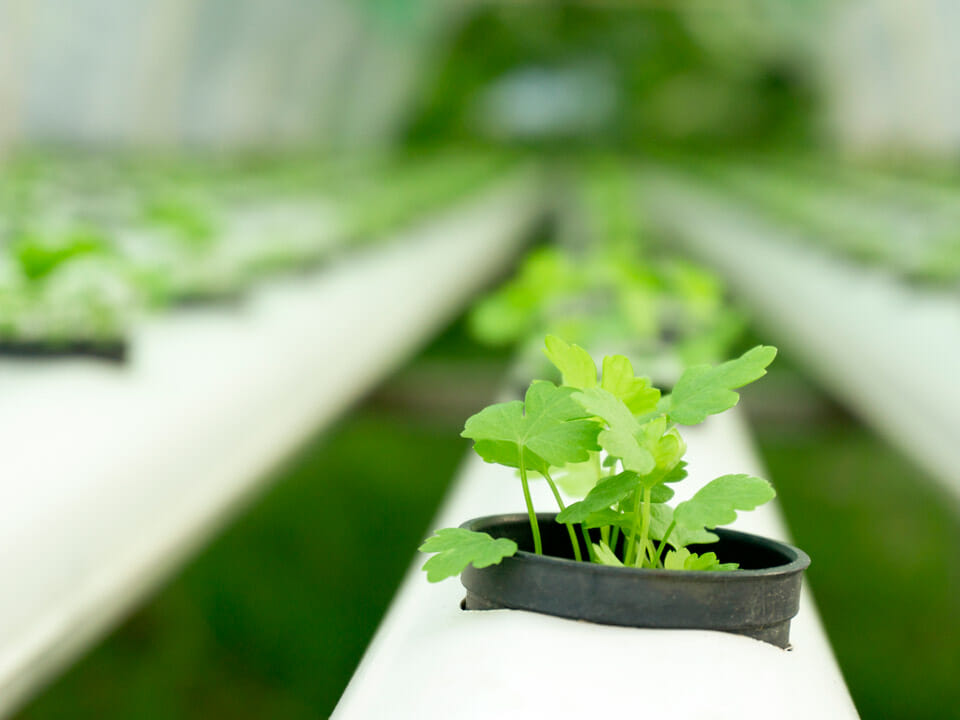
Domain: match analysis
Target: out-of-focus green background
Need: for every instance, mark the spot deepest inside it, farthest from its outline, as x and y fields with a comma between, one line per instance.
x=391, y=110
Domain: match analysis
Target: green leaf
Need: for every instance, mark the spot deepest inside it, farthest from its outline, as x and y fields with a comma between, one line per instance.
x=678, y=473
x=717, y=502
x=605, y=556
x=577, y=479
x=635, y=392
x=573, y=362
x=549, y=427
x=458, y=547
x=683, y=559
x=607, y=516
x=606, y=493
x=620, y=437
x=661, y=517
x=703, y=390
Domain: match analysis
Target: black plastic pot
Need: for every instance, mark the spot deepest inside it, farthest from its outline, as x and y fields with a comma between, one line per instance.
x=758, y=600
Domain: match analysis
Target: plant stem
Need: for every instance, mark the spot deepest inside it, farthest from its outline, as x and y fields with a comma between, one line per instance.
x=663, y=541
x=534, y=527
x=614, y=536
x=573, y=536
x=629, y=552
x=644, y=527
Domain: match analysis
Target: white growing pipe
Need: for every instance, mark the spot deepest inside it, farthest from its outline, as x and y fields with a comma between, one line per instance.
x=429, y=659
x=887, y=349
x=110, y=477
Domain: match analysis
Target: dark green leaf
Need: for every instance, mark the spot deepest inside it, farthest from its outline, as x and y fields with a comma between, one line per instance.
x=605, y=493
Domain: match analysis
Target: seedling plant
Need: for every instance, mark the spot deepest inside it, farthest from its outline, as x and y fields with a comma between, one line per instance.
x=614, y=442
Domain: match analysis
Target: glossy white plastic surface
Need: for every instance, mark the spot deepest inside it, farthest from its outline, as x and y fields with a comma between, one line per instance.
x=429, y=659
x=111, y=476
x=889, y=350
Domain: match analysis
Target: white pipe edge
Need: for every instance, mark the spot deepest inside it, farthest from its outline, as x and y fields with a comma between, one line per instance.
x=429, y=659
x=111, y=477
x=887, y=349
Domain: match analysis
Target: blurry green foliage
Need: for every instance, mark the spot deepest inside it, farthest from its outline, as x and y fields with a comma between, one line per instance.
x=686, y=75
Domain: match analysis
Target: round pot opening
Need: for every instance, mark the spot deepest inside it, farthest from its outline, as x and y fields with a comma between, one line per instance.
x=758, y=600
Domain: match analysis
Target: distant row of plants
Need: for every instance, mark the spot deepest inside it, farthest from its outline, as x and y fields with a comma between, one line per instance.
x=604, y=283
x=86, y=243
x=906, y=225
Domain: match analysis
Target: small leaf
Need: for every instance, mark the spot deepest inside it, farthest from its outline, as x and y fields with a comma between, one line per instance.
x=717, y=502
x=606, y=556
x=573, y=362
x=675, y=559
x=577, y=479
x=607, y=492
x=635, y=392
x=661, y=517
x=607, y=516
x=620, y=438
x=703, y=390
x=550, y=427
x=678, y=473
x=683, y=559
x=459, y=547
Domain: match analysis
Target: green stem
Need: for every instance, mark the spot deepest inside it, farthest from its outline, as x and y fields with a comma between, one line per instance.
x=534, y=527
x=663, y=542
x=614, y=536
x=630, y=552
x=573, y=536
x=644, y=527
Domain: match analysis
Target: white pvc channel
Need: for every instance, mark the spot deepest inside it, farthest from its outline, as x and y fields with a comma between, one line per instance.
x=432, y=660
x=889, y=350
x=110, y=477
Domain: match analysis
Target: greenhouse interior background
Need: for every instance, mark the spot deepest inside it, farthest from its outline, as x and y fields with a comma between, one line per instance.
x=260, y=261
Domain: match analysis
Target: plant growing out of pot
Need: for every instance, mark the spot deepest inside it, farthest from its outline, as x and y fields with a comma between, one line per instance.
x=622, y=554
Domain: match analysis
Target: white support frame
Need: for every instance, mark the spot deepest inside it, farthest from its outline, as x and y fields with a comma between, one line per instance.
x=889, y=350
x=430, y=659
x=111, y=476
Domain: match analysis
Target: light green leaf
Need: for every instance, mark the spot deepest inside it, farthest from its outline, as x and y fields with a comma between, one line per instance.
x=549, y=427
x=683, y=559
x=635, y=392
x=703, y=390
x=661, y=517
x=606, y=493
x=605, y=556
x=458, y=547
x=573, y=362
x=717, y=502
x=577, y=479
x=607, y=516
x=619, y=439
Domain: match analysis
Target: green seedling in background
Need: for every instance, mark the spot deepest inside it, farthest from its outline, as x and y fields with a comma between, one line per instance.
x=619, y=429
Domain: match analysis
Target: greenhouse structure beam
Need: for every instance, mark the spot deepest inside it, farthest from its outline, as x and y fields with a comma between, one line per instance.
x=430, y=659
x=888, y=349
x=110, y=477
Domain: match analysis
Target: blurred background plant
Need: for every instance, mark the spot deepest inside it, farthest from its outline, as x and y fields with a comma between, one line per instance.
x=174, y=152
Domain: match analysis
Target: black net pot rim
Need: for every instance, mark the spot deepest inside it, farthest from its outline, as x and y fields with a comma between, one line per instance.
x=758, y=601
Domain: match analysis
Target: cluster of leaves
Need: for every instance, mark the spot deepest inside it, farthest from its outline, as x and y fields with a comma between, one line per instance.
x=624, y=433
x=87, y=243
x=603, y=283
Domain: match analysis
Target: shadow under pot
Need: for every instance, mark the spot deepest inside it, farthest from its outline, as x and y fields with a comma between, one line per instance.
x=757, y=600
